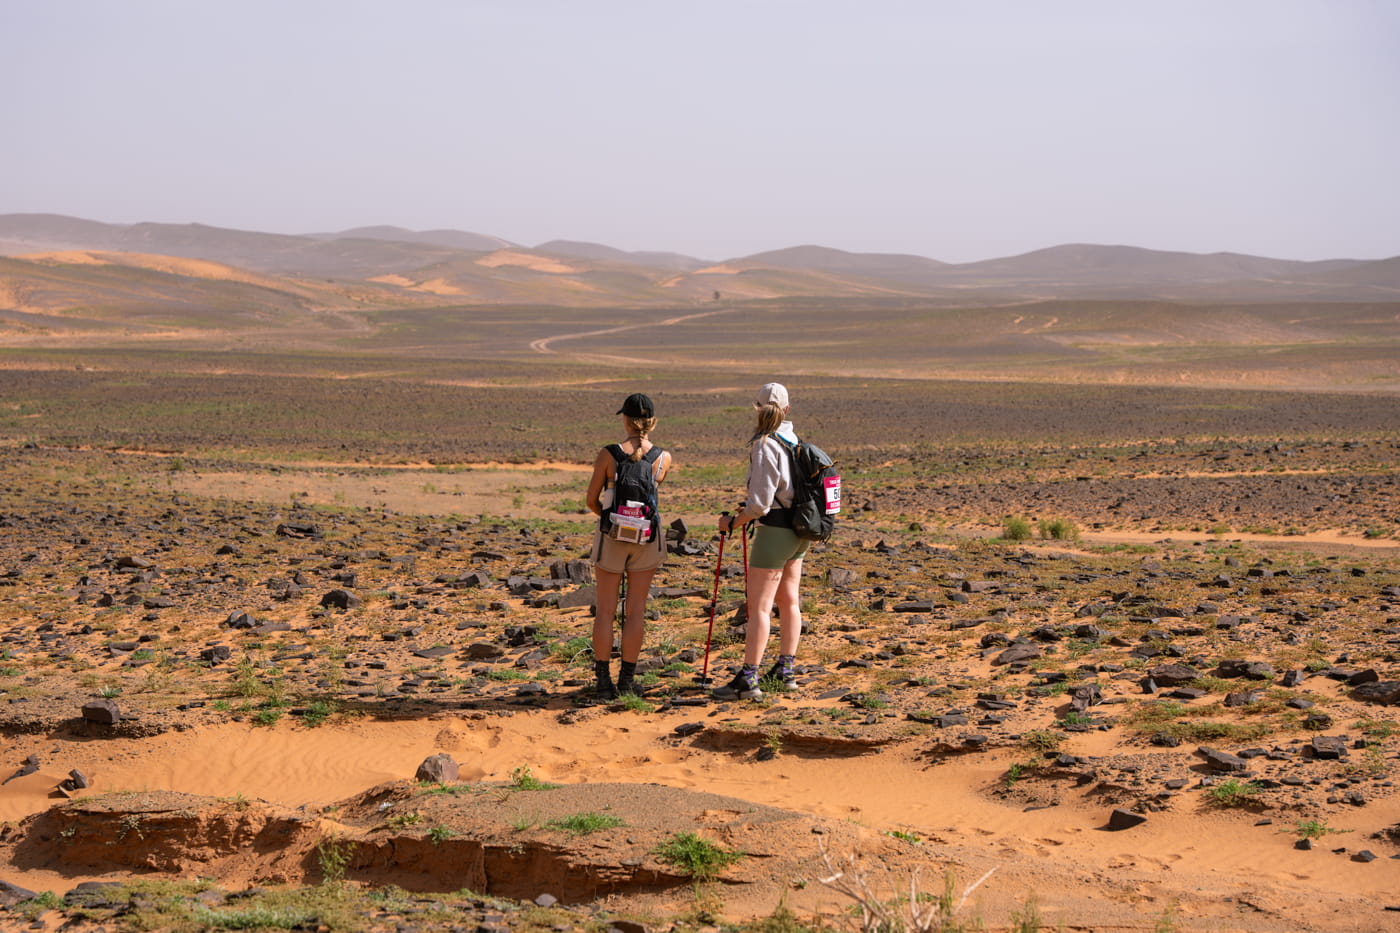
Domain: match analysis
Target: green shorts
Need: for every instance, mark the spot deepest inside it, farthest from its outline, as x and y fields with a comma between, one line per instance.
x=773, y=547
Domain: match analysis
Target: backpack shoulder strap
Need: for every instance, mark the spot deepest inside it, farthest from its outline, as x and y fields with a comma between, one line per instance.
x=651, y=455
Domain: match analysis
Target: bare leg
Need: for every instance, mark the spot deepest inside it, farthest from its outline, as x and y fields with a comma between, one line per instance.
x=634, y=628
x=606, y=600
x=790, y=607
x=763, y=587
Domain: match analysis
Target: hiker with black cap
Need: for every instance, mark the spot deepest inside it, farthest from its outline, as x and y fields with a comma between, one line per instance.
x=629, y=540
x=775, y=563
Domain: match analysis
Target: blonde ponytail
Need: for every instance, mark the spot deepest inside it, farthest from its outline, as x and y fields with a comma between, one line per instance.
x=769, y=419
x=640, y=427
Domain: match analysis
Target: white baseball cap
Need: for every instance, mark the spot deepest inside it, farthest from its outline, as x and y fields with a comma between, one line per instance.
x=773, y=392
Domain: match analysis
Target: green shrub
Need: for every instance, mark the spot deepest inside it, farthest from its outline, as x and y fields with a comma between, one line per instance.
x=1044, y=740
x=522, y=779
x=1232, y=792
x=1015, y=528
x=317, y=713
x=1315, y=829
x=630, y=701
x=333, y=855
x=1059, y=529
x=581, y=824
x=699, y=858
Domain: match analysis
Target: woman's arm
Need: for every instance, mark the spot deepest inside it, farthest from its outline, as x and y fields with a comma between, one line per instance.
x=765, y=476
x=602, y=466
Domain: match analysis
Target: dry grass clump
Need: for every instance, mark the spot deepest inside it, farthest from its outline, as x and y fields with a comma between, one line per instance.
x=915, y=911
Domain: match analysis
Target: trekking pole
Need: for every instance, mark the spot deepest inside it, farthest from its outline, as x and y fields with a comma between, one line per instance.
x=714, y=602
x=748, y=531
x=621, y=610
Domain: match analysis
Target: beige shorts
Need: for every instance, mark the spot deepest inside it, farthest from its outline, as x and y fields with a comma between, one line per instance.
x=620, y=557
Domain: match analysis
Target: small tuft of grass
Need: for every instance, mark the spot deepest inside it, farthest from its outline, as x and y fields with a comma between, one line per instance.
x=400, y=820
x=1376, y=728
x=571, y=650
x=1042, y=740
x=697, y=857
x=1314, y=829
x=1019, y=770
x=522, y=779
x=581, y=824
x=317, y=713
x=1232, y=792
x=634, y=703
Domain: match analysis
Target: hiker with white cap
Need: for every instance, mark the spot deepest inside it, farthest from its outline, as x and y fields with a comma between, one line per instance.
x=775, y=561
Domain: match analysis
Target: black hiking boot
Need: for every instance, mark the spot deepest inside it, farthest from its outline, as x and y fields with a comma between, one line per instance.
x=604, y=690
x=625, y=683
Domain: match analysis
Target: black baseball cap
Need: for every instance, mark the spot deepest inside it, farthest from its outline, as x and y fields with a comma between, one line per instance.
x=637, y=406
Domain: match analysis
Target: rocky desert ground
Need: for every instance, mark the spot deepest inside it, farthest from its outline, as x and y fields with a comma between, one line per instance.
x=1147, y=683
x=296, y=613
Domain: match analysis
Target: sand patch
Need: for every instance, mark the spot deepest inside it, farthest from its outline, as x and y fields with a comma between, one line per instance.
x=170, y=265
x=430, y=286
x=536, y=491
x=940, y=804
x=509, y=257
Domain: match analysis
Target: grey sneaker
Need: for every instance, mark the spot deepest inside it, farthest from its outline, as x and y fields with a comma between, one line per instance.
x=740, y=688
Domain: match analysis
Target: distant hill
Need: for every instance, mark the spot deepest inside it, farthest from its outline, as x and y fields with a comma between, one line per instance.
x=463, y=267
x=601, y=253
x=825, y=259
x=1131, y=264
x=452, y=239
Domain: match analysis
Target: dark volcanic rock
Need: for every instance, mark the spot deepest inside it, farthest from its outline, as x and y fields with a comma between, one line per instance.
x=581, y=598
x=1384, y=692
x=1251, y=670
x=1329, y=747
x=105, y=712
x=1085, y=696
x=1222, y=761
x=238, y=618
x=340, y=599
x=1022, y=652
x=31, y=764
x=12, y=894
x=1173, y=675
x=1121, y=819
x=298, y=530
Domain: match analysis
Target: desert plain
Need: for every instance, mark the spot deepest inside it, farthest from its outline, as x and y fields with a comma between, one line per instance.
x=297, y=605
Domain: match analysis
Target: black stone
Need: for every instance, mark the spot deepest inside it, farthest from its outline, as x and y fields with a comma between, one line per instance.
x=1121, y=819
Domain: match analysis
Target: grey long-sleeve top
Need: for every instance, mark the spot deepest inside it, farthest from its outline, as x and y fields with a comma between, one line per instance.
x=769, y=482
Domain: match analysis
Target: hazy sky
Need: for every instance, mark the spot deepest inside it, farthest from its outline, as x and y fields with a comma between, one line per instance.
x=956, y=130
